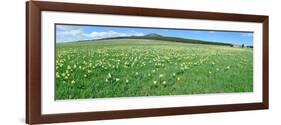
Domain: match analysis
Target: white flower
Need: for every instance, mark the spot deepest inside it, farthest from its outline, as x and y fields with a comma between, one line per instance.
x=72, y=81
x=68, y=67
x=57, y=75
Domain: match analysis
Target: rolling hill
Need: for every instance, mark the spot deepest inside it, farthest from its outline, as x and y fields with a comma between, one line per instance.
x=154, y=36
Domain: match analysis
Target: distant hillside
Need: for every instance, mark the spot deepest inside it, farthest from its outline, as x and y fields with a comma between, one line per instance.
x=154, y=36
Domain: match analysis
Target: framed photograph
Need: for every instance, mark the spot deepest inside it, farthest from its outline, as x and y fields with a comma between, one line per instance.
x=94, y=62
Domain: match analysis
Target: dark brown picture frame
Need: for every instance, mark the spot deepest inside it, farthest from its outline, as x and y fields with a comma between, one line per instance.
x=33, y=62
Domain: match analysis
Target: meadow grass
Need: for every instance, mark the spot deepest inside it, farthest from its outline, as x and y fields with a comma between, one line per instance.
x=135, y=67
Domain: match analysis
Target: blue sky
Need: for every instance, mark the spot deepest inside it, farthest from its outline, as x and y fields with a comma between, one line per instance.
x=68, y=33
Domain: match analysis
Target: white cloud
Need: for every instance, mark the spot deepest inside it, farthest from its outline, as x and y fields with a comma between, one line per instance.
x=72, y=32
x=67, y=27
x=108, y=34
x=138, y=34
x=76, y=33
x=67, y=33
x=211, y=32
x=101, y=35
x=97, y=35
x=247, y=34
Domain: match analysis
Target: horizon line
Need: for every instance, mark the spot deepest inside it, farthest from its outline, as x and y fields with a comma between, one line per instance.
x=86, y=40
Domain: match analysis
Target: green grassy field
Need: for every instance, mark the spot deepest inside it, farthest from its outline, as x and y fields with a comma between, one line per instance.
x=137, y=67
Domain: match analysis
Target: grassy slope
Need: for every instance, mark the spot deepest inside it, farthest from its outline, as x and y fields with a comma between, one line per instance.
x=170, y=39
x=134, y=66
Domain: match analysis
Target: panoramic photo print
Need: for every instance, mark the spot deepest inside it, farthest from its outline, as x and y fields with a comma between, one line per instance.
x=113, y=61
